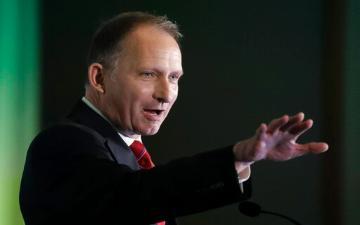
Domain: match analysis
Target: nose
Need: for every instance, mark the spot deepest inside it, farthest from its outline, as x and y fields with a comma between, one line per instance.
x=163, y=92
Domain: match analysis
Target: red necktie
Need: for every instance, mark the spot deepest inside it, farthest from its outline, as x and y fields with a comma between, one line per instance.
x=144, y=160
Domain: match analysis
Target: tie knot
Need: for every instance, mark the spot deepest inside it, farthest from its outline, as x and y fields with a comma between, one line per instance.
x=138, y=148
x=142, y=156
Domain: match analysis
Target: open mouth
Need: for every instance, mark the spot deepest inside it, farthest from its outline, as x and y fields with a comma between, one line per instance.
x=153, y=114
x=154, y=111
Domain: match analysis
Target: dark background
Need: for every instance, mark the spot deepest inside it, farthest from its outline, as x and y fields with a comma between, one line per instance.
x=245, y=62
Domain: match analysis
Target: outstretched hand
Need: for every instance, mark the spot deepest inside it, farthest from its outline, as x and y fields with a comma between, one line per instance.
x=277, y=141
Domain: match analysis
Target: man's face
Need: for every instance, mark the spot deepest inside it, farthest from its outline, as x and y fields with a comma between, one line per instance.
x=144, y=85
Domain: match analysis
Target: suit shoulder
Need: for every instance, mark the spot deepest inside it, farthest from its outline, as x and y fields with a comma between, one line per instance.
x=68, y=131
x=64, y=136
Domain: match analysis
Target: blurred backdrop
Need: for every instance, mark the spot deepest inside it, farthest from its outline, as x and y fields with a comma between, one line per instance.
x=245, y=62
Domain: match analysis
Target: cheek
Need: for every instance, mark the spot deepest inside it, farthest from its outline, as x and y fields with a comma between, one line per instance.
x=138, y=99
x=174, y=94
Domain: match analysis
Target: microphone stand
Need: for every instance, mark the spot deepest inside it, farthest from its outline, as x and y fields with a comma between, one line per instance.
x=252, y=209
x=280, y=215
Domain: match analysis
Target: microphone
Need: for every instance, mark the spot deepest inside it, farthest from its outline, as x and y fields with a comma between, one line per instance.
x=252, y=209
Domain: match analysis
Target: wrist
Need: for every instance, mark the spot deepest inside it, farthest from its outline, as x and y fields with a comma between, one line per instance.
x=240, y=151
x=240, y=167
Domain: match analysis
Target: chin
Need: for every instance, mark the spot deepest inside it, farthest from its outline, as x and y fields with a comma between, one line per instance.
x=150, y=131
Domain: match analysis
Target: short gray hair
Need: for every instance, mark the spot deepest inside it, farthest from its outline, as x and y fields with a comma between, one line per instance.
x=106, y=43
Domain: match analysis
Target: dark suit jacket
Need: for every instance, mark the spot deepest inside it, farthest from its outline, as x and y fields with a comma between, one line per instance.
x=82, y=172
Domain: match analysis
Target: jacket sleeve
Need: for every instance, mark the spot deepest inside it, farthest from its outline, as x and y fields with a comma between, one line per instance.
x=70, y=178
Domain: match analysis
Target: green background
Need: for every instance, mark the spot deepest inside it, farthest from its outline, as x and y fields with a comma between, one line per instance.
x=19, y=97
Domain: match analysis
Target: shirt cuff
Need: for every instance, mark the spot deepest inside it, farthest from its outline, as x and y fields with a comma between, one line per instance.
x=243, y=176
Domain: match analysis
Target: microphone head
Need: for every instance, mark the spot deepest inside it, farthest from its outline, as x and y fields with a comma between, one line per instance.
x=249, y=208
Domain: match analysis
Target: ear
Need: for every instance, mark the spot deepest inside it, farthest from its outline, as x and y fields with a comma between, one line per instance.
x=96, y=77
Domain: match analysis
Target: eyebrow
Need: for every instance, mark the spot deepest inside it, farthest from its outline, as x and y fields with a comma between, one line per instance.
x=179, y=72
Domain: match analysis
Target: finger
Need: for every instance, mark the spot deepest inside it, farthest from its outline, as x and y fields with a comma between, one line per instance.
x=301, y=127
x=292, y=121
x=314, y=147
x=277, y=123
x=261, y=130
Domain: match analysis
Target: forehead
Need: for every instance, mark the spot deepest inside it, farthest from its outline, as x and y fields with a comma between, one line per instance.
x=153, y=45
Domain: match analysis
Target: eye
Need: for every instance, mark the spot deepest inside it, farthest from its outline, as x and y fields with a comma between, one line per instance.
x=174, y=77
x=147, y=75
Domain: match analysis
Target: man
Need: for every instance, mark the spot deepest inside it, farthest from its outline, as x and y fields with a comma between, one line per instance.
x=93, y=168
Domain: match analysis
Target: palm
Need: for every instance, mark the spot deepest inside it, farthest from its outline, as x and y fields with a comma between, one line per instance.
x=277, y=141
x=280, y=146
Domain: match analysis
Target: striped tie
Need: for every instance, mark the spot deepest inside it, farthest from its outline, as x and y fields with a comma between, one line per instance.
x=144, y=160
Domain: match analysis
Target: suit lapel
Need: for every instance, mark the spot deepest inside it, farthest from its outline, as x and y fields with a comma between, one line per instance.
x=120, y=152
x=123, y=155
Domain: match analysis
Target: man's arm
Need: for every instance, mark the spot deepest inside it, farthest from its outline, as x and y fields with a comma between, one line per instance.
x=69, y=176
